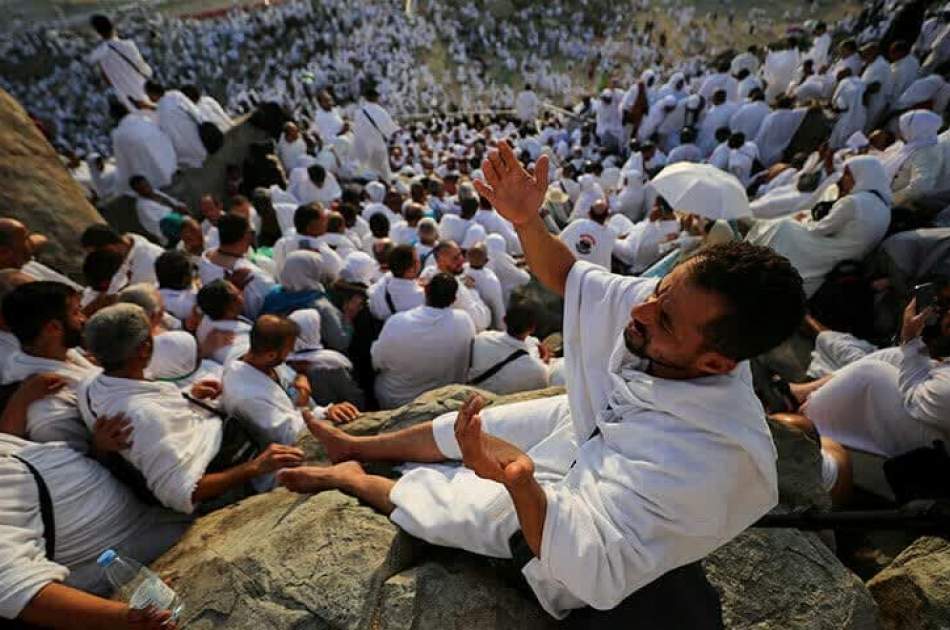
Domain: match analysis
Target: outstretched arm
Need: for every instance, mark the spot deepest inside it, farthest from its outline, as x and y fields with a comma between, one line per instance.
x=60, y=606
x=517, y=196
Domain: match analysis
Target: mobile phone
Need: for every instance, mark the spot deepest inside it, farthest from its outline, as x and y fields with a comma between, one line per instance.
x=926, y=295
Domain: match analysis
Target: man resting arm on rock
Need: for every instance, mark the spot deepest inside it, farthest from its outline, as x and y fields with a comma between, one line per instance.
x=658, y=455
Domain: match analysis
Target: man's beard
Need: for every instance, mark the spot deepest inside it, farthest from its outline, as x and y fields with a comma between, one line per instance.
x=637, y=347
x=72, y=337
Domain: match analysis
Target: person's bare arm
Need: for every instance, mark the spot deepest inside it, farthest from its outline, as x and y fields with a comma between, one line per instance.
x=275, y=457
x=517, y=196
x=59, y=606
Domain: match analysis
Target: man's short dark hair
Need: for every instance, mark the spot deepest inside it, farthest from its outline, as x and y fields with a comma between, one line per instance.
x=400, y=259
x=521, y=317
x=232, y=228
x=441, y=290
x=317, y=174
x=214, y=298
x=304, y=215
x=29, y=307
x=173, y=270
x=271, y=333
x=102, y=25
x=469, y=206
x=98, y=236
x=99, y=267
x=379, y=225
x=765, y=301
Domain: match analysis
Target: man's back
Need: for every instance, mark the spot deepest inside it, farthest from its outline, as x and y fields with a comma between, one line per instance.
x=419, y=350
x=527, y=372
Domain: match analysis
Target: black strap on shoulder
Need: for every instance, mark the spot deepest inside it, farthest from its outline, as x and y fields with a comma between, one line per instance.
x=389, y=301
x=46, y=508
x=375, y=126
x=134, y=65
x=490, y=372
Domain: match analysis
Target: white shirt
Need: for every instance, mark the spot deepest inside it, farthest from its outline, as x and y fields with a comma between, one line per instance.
x=405, y=294
x=524, y=373
x=590, y=241
x=419, y=350
x=174, y=440
x=179, y=118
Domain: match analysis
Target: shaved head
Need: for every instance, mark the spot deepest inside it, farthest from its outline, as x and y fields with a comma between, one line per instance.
x=477, y=255
x=15, y=247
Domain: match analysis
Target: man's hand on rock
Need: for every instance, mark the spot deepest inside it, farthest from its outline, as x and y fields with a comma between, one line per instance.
x=277, y=456
x=511, y=190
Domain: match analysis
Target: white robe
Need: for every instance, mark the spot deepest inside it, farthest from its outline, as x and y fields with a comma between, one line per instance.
x=466, y=299
x=526, y=106
x=93, y=512
x=489, y=289
x=290, y=153
x=373, y=128
x=494, y=223
x=39, y=271
x=174, y=440
x=180, y=303
x=9, y=345
x=852, y=228
x=889, y=402
x=211, y=111
x=620, y=513
x=523, y=374
x=141, y=147
x=329, y=123
x=122, y=63
x=640, y=248
x=834, y=350
x=749, y=118
x=303, y=188
x=509, y=273
x=404, y=293
x=776, y=132
x=590, y=241
x=419, y=350
x=150, y=214
x=254, y=292
x=241, y=329
x=179, y=118
x=54, y=418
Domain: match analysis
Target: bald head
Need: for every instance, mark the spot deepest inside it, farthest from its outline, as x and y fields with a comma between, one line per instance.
x=15, y=248
x=272, y=339
x=477, y=256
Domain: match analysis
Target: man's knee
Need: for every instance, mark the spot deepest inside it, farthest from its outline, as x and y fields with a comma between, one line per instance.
x=836, y=471
x=796, y=421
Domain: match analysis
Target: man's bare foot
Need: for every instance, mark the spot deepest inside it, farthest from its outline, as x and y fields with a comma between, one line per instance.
x=313, y=479
x=339, y=445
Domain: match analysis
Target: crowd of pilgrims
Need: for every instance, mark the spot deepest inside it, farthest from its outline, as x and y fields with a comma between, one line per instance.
x=352, y=264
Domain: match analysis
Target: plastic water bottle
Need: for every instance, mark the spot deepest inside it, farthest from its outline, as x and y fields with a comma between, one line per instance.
x=139, y=586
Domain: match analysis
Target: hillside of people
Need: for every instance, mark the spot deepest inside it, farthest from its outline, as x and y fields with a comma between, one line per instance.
x=490, y=315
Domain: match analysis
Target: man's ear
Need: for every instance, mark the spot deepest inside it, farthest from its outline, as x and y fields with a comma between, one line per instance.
x=715, y=363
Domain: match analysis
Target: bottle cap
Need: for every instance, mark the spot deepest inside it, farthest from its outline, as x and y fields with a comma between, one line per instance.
x=106, y=558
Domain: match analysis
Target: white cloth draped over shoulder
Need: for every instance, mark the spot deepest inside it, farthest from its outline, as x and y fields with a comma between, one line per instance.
x=678, y=467
x=124, y=67
x=141, y=147
x=54, y=418
x=179, y=118
x=853, y=227
x=174, y=440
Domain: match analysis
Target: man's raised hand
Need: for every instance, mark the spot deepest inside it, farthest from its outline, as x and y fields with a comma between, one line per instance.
x=489, y=457
x=511, y=190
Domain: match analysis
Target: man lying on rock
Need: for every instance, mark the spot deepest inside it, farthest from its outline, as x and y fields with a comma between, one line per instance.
x=610, y=496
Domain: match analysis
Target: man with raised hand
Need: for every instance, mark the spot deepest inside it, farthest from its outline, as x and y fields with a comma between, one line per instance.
x=606, y=498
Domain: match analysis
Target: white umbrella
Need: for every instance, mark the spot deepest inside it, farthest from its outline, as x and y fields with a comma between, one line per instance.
x=702, y=189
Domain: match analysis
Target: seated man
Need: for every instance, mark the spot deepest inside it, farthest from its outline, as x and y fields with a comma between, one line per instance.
x=138, y=254
x=398, y=290
x=221, y=304
x=47, y=320
x=423, y=348
x=888, y=402
x=659, y=454
x=49, y=581
x=260, y=388
x=176, y=284
x=182, y=449
x=450, y=259
x=487, y=284
x=512, y=361
x=229, y=261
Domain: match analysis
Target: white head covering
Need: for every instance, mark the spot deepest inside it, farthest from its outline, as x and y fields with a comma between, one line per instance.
x=302, y=271
x=376, y=191
x=309, y=344
x=476, y=234
x=857, y=141
x=920, y=90
x=918, y=129
x=174, y=356
x=359, y=267
x=869, y=175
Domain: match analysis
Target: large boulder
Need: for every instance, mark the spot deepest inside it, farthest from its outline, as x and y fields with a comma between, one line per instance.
x=914, y=591
x=326, y=561
x=36, y=188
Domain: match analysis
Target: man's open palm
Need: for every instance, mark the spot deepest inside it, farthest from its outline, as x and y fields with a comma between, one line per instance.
x=514, y=193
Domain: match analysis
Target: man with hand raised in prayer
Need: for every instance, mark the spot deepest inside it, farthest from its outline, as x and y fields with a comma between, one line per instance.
x=606, y=498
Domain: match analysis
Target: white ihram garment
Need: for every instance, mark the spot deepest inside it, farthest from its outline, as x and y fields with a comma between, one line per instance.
x=677, y=469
